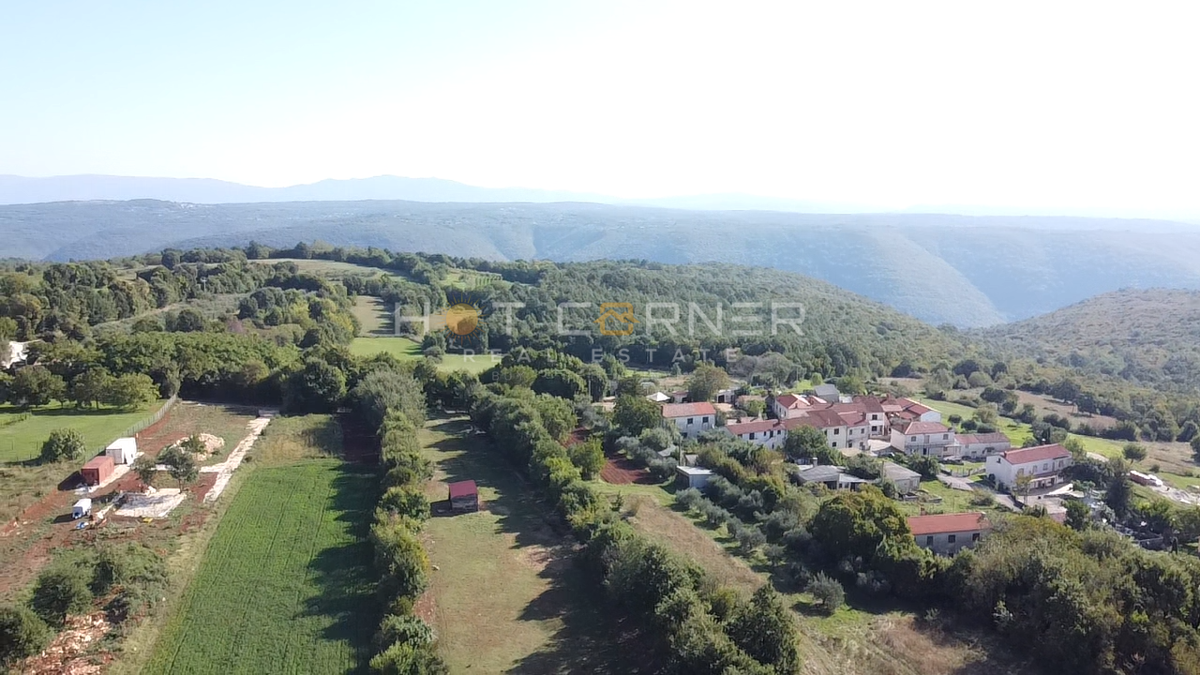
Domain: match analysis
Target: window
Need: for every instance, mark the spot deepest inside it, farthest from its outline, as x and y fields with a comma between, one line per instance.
x=835, y=444
x=1045, y=466
x=929, y=540
x=951, y=537
x=704, y=419
x=683, y=435
x=914, y=439
x=836, y=432
x=691, y=420
x=945, y=437
x=751, y=435
x=975, y=537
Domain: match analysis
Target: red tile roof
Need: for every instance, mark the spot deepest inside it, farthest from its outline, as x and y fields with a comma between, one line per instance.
x=1038, y=453
x=973, y=439
x=946, y=523
x=463, y=488
x=755, y=426
x=819, y=418
x=925, y=428
x=792, y=401
x=674, y=410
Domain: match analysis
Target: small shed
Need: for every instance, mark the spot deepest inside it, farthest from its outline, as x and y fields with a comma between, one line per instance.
x=464, y=496
x=122, y=450
x=693, y=476
x=82, y=508
x=97, y=470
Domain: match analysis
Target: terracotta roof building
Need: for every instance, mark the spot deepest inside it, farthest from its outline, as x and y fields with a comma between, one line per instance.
x=948, y=533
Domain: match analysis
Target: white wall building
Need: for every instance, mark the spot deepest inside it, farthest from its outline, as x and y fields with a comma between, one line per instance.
x=948, y=533
x=1042, y=464
x=924, y=438
x=690, y=418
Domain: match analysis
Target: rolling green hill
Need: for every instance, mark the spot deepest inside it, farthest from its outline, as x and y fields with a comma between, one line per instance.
x=966, y=271
x=1151, y=337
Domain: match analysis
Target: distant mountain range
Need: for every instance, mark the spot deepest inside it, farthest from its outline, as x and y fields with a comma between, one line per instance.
x=22, y=190
x=962, y=270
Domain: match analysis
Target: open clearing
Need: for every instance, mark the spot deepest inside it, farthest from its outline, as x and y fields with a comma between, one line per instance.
x=505, y=595
x=373, y=316
x=285, y=585
x=23, y=432
x=403, y=348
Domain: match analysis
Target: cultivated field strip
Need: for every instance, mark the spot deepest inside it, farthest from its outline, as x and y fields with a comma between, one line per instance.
x=285, y=585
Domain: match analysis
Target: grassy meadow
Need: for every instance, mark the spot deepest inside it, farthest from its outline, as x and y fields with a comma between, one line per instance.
x=505, y=595
x=23, y=431
x=405, y=348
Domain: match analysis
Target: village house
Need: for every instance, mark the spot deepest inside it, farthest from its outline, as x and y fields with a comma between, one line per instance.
x=690, y=418
x=948, y=533
x=933, y=439
x=1042, y=463
x=900, y=411
x=829, y=476
x=978, y=446
x=906, y=480
x=768, y=433
x=786, y=406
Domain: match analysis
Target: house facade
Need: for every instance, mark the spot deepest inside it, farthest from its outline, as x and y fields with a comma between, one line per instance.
x=931, y=439
x=1043, y=464
x=979, y=446
x=949, y=533
x=767, y=433
x=690, y=418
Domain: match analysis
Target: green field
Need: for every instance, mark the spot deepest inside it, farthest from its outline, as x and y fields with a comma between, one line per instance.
x=505, y=594
x=405, y=348
x=22, y=432
x=285, y=585
x=330, y=268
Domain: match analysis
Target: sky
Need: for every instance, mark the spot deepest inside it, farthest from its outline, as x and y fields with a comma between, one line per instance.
x=1030, y=104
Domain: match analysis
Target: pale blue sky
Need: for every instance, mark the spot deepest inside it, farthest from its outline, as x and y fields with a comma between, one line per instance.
x=1032, y=104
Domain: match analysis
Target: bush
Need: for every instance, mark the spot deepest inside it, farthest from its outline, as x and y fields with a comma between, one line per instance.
x=60, y=591
x=689, y=499
x=404, y=659
x=828, y=591
x=1134, y=452
x=22, y=634
x=714, y=515
x=750, y=538
x=406, y=503
x=409, y=630
x=63, y=444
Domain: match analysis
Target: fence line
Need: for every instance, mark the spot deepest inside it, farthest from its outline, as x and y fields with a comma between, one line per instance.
x=132, y=430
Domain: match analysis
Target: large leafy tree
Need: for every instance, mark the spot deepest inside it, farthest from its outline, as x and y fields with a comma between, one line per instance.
x=705, y=381
x=857, y=523
x=635, y=414
x=317, y=387
x=181, y=465
x=36, y=386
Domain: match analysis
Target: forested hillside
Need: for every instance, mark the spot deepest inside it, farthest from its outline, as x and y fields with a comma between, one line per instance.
x=1151, y=337
x=967, y=271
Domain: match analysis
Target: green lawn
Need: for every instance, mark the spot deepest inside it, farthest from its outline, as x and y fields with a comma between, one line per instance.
x=405, y=348
x=22, y=432
x=285, y=585
x=505, y=594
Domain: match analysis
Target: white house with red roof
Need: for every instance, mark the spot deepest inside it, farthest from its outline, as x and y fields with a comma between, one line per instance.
x=933, y=439
x=786, y=406
x=767, y=433
x=949, y=533
x=690, y=418
x=1042, y=463
x=978, y=446
x=900, y=410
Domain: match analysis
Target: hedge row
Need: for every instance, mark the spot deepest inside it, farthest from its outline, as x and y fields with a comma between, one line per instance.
x=404, y=643
x=695, y=625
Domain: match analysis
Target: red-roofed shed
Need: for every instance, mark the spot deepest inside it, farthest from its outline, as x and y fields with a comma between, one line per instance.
x=464, y=496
